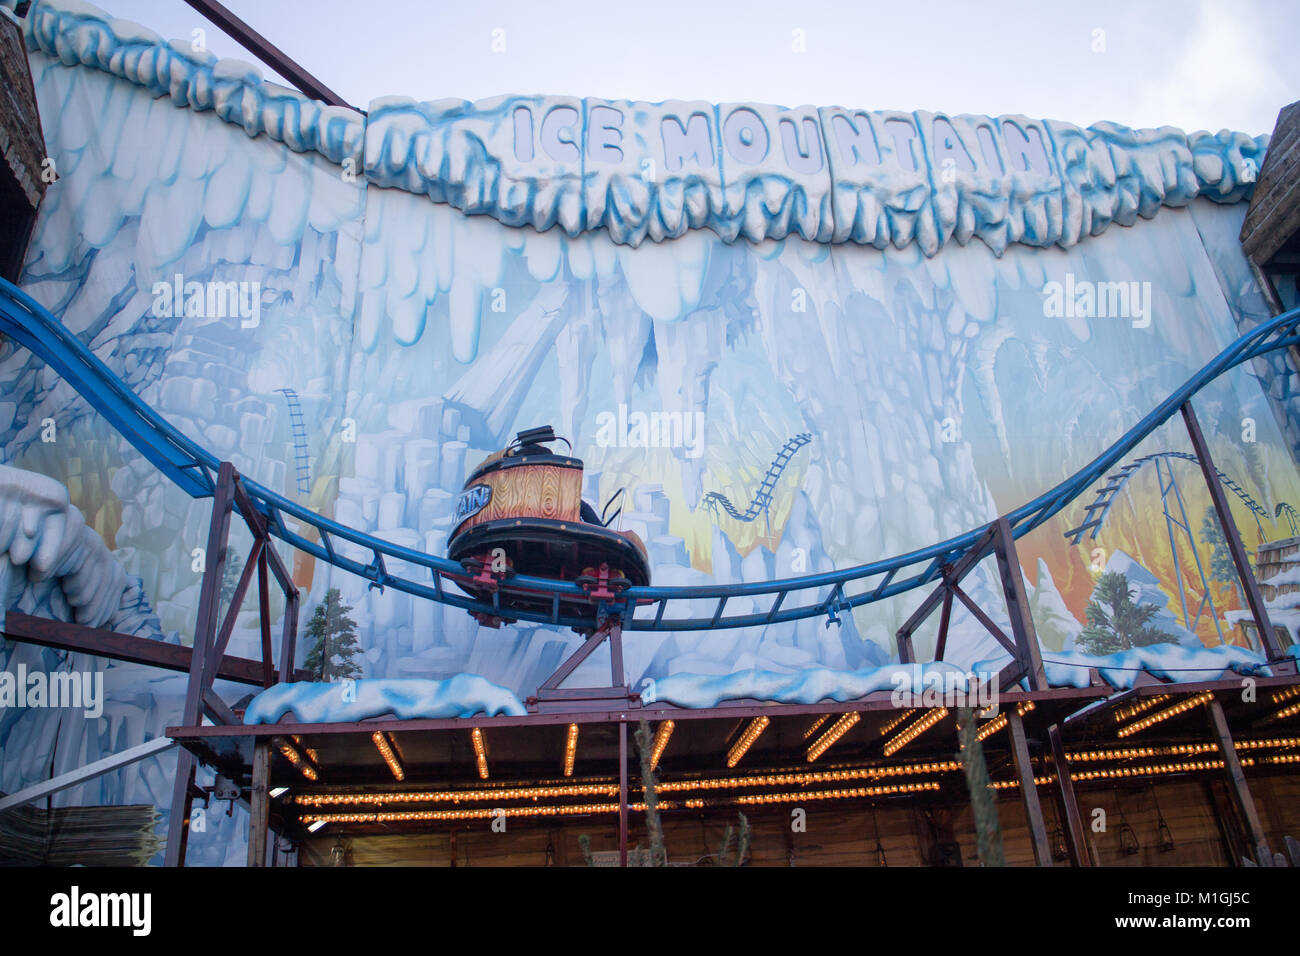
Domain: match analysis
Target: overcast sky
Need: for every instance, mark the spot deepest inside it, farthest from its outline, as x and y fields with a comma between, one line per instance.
x=1196, y=64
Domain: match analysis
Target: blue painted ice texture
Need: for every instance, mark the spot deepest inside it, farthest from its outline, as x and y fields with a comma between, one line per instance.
x=465, y=695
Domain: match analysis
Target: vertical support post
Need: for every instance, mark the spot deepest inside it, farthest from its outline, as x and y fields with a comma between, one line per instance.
x=616, y=677
x=259, y=803
x=1013, y=587
x=1240, y=790
x=905, y=653
x=264, y=619
x=1240, y=559
x=1075, y=836
x=205, y=628
x=289, y=635
x=1028, y=790
x=188, y=809
x=944, y=616
x=622, y=793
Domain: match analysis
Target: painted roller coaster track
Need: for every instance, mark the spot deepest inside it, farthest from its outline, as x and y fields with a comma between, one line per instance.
x=763, y=497
x=299, y=429
x=1096, y=512
x=194, y=469
x=1292, y=518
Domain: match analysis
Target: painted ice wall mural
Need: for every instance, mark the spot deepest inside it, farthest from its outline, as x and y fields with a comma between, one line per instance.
x=873, y=280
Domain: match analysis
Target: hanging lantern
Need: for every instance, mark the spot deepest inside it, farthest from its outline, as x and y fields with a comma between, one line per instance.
x=339, y=854
x=1128, y=841
x=1060, y=849
x=1166, y=836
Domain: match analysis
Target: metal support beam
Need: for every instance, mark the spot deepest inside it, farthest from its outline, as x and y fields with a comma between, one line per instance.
x=1076, y=836
x=906, y=654
x=1028, y=789
x=978, y=613
x=616, y=653
x=1241, y=796
x=217, y=709
x=204, y=633
x=90, y=771
x=264, y=620
x=191, y=791
x=944, y=617
x=218, y=648
x=65, y=636
x=266, y=51
x=289, y=635
x=571, y=664
x=622, y=794
x=955, y=574
x=1013, y=588
x=259, y=804
x=1240, y=559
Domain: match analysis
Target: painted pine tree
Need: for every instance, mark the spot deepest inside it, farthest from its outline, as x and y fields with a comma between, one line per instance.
x=1115, y=621
x=1222, y=570
x=335, y=640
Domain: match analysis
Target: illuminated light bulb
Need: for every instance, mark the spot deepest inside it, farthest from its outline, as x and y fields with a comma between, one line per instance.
x=851, y=792
x=662, y=733
x=1283, y=695
x=741, y=746
x=1132, y=710
x=992, y=727
x=816, y=725
x=837, y=730
x=295, y=758
x=570, y=749
x=480, y=752
x=913, y=731
x=1287, y=711
x=895, y=722
x=311, y=754
x=1181, y=707
x=386, y=751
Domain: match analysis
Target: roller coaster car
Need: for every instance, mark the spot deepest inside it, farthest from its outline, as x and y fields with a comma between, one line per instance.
x=521, y=511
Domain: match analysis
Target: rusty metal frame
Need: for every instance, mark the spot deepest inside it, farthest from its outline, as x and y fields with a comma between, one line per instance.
x=211, y=635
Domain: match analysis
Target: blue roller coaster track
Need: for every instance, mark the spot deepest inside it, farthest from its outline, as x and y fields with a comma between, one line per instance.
x=194, y=470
